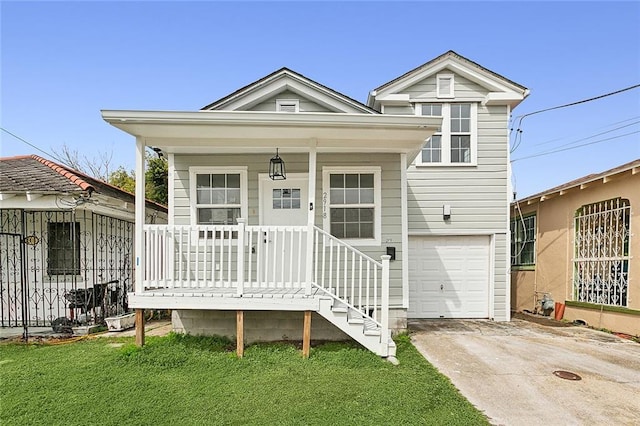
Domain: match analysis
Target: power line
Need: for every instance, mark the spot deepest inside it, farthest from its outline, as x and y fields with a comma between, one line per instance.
x=601, y=127
x=574, y=147
x=32, y=145
x=520, y=118
x=597, y=134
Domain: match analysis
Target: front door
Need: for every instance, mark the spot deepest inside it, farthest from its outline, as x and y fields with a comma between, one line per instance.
x=282, y=251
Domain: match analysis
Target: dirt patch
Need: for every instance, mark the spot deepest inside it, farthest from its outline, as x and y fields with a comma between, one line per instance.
x=541, y=320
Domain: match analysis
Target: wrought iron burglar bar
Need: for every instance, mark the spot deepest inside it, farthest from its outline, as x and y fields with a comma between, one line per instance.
x=601, y=262
x=77, y=251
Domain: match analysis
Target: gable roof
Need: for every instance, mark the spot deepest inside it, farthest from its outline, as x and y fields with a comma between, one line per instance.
x=633, y=166
x=34, y=174
x=456, y=62
x=267, y=86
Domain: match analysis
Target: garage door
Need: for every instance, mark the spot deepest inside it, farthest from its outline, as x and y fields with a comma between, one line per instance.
x=449, y=277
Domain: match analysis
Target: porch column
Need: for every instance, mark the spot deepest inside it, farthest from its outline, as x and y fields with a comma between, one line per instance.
x=384, y=308
x=311, y=214
x=139, y=215
x=240, y=265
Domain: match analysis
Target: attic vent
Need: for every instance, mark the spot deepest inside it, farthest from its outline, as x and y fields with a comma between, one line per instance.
x=444, y=86
x=287, y=105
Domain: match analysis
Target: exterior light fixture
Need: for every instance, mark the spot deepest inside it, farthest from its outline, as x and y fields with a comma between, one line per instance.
x=276, y=168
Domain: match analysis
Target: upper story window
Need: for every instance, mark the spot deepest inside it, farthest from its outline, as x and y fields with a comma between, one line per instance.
x=523, y=241
x=218, y=195
x=351, y=204
x=287, y=105
x=455, y=143
x=445, y=86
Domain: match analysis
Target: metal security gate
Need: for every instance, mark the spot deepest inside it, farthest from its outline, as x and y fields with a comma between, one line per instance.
x=77, y=267
x=13, y=291
x=601, y=263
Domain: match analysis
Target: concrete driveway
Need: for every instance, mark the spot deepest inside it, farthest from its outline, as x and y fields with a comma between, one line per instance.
x=506, y=370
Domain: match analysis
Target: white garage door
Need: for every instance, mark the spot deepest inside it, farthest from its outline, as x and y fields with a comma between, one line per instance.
x=449, y=277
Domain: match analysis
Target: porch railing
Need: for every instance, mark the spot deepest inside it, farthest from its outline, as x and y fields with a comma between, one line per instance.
x=241, y=256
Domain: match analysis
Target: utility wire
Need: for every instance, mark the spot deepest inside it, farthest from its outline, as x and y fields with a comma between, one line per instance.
x=574, y=147
x=593, y=136
x=31, y=145
x=520, y=118
x=597, y=128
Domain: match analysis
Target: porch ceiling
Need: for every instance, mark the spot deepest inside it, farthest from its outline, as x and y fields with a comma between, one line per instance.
x=240, y=131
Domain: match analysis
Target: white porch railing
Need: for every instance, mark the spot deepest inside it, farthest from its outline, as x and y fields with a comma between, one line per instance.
x=352, y=277
x=240, y=256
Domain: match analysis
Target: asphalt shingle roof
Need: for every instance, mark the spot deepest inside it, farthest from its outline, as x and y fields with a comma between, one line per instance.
x=35, y=174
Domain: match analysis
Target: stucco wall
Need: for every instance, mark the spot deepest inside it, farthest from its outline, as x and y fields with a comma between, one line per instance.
x=553, y=271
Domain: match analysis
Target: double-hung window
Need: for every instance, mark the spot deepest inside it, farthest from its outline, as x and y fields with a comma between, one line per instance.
x=218, y=195
x=351, y=204
x=523, y=241
x=455, y=143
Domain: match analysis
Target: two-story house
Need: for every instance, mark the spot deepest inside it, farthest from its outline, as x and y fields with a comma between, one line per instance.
x=289, y=200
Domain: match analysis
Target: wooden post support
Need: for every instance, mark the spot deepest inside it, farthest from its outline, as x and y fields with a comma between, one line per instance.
x=140, y=327
x=306, y=334
x=240, y=333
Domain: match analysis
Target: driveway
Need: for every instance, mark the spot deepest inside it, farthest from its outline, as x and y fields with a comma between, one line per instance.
x=506, y=370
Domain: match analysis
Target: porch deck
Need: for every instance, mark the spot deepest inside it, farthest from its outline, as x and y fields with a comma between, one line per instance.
x=227, y=298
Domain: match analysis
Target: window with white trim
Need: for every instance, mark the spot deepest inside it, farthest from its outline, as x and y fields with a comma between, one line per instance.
x=287, y=105
x=455, y=143
x=351, y=204
x=218, y=195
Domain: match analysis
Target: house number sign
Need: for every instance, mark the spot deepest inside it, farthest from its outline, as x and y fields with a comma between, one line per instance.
x=31, y=240
x=324, y=205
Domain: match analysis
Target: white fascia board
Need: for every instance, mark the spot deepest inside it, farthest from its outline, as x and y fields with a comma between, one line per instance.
x=486, y=80
x=236, y=131
x=502, y=98
x=394, y=99
x=125, y=119
x=285, y=81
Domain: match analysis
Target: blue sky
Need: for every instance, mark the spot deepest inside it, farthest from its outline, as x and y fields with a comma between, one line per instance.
x=62, y=62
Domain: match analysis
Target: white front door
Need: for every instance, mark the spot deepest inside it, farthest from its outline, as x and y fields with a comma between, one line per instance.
x=449, y=276
x=282, y=249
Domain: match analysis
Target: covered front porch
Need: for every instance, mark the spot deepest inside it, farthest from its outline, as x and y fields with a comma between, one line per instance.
x=262, y=258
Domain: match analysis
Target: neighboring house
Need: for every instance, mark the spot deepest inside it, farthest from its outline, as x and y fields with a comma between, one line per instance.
x=62, y=235
x=575, y=243
x=361, y=184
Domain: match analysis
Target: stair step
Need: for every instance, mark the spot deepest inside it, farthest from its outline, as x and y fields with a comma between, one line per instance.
x=371, y=332
x=340, y=309
x=355, y=321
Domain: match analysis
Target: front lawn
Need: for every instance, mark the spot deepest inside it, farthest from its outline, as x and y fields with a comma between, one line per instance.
x=177, y=380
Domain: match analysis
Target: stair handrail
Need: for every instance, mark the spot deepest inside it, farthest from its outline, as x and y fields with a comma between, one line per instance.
x=383, y=323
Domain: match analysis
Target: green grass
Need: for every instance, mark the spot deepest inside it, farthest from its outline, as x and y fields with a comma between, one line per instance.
x=178, y=380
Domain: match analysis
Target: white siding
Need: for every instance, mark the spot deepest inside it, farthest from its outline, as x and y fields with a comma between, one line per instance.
x=477, y=194
x=306, y=105
x=298, y=163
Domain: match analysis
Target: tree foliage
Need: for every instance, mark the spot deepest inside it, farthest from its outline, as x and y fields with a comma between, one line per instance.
x=156, y=174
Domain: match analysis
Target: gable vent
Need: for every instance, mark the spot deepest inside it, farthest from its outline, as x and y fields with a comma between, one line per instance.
x=444, y=86
x=287, y=105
